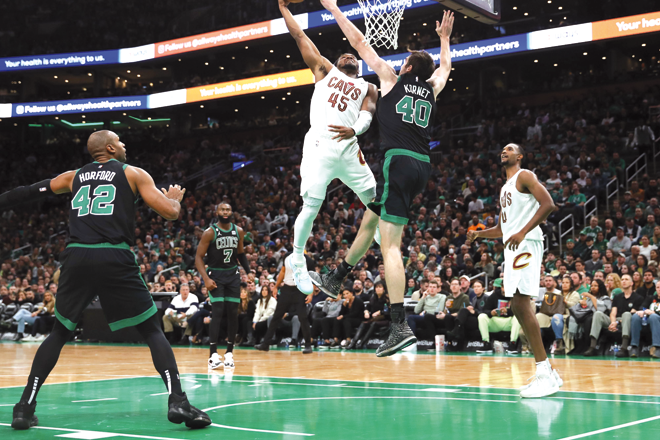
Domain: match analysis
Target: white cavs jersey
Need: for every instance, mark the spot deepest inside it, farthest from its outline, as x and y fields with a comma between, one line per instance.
x=522, y=267
x=337, y=100
x=517, y=210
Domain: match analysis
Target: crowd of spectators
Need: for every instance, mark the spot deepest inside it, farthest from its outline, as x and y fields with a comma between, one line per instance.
x=575, y=147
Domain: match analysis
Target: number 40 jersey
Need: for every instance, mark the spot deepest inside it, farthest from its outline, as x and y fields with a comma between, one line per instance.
x=103, y=205
x=405, y=115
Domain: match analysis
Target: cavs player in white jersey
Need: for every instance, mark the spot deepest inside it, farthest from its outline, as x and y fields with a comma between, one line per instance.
x=525, y=203
x=342, y=108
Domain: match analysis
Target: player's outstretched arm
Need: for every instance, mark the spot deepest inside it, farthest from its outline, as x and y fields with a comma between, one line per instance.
x=166, y=203
x=494, y=232
x=530, y=183
x=384, y=71
x=363, y=122
x=25, y=194
x=202, y=248
x=319, y=65
x=439, y=78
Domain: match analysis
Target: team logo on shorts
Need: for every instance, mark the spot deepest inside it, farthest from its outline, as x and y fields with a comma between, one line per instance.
x=361, y=158
x=517, y=263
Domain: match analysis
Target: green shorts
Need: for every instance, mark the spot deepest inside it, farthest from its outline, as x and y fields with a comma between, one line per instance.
x=405, y=174
x=110, y=272
x=229, y=285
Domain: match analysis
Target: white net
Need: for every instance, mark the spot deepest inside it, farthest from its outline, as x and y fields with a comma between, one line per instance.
x=382, y=19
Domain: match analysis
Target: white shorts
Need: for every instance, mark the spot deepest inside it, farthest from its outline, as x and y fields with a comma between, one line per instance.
x=325, y=159
x=522, y=269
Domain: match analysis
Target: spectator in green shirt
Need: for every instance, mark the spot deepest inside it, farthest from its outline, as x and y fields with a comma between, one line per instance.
x=649, y=227
x=601, y=243
x=575, y=203
x=593, y=229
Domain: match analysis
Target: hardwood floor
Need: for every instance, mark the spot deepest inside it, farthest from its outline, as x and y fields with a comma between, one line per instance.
x=92, y=362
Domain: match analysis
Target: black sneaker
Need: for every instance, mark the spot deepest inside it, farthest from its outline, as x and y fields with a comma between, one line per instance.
x=308, y=349
x=634, y=352
x=486, y=349
x=181, y=411
x=400, y=337
x=24, y=417
x=330, y=283
x=262, y=347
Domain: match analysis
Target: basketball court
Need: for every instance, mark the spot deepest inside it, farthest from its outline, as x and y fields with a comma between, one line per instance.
x=112, y=391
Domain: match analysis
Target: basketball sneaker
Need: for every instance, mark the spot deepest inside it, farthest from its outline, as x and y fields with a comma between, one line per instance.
x=215, y=361
x=329, y=283
x=300, y=276
x=555, y=374
x=24, y=417
x=181, y=411
x=400, y=337
x=543, y=384
x=229, y=360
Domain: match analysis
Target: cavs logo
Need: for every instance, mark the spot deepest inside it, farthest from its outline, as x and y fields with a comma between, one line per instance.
x=361, y=158
x=518, y=261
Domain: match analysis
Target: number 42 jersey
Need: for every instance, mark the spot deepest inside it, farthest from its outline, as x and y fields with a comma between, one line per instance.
x=103, y=205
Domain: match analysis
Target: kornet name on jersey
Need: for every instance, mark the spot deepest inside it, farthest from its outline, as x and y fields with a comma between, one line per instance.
x=517, y=210
x=337, y=100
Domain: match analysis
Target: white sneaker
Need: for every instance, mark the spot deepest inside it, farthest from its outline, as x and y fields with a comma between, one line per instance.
x=229, y=360
x=215, y=361
x=28, y=338
x=544, y=384
x=300, y=276
x=40, y=338
x=555, y=374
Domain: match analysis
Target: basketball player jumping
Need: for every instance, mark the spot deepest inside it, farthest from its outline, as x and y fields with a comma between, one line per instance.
x=98, y=261
x=405, y=112
x=342, y=108
x=222, y=244
x=525, y=203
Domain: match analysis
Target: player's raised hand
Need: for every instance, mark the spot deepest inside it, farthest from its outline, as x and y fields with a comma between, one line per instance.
x=175, y=192
x=444, y=29
x=343, y=133
x=471, y=236
x=329, y=4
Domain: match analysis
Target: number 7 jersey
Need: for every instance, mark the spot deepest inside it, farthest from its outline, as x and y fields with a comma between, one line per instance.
x=222, y=251
x=337, y=100
x=405, y=115
x=103, y=205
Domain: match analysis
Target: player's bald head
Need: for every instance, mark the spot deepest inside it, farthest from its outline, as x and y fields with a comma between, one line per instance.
x=99, y=140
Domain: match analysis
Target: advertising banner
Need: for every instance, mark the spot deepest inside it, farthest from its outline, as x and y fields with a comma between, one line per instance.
x=560, y=36
x=251, y=85
x=59, y=60
x=80, y=106
x=212, y=39
x=621, y=27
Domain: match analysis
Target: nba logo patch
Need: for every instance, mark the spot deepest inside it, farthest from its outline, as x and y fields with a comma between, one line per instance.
x=233, y=232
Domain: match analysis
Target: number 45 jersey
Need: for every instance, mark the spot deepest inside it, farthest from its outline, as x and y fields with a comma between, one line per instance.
x=103, y=205
x=337, y=100
x=405, y=115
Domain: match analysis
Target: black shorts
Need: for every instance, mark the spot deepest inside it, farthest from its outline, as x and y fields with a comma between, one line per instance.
x=109, y=271
x=405, y=174
x=229, y=285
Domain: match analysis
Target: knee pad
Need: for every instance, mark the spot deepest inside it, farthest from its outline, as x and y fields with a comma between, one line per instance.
x=367, y=196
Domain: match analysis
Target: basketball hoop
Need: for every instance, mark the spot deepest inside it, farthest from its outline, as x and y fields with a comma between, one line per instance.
x=382, y=19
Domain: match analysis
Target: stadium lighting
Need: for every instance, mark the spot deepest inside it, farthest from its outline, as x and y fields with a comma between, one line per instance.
x=526, y=14
x=451, y=79
x=128, y=71
x=236, y=110
x=263, y=97
x=555, y=64
x=536, y=61
x=89, y=74
x=560, y=8
x=201, y=106
x=66, y=80
x=423, y=24
x=164, y=68
x=584, y=53
x=247, y=47
x=515, y=7
x=604, y=58
x=55, y=76
x=271, y=51
x=206, y=64
x=643, y=44
x=138, y=75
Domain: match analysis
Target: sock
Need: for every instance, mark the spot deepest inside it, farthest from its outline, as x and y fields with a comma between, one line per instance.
x=544, y=365
x=397, y=313
x=214, y=348
x=344, y=268
x=230, y=347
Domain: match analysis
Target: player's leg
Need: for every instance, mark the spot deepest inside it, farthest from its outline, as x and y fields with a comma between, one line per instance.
x=217, y=313
x=302, y=229
x=400, y=334
x=232, y=300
